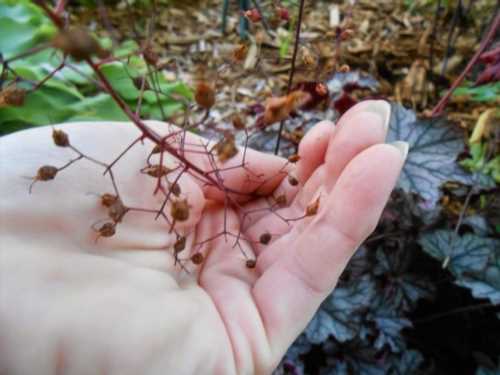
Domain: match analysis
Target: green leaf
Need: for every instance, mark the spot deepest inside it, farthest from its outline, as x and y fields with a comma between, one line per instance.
x=97, y=108
x=22, y=26
x=484, y=93
x=120, y=78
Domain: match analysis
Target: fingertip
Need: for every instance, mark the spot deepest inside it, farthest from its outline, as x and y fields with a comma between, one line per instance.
x=312, y=149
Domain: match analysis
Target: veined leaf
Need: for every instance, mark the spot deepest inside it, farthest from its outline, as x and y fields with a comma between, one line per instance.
x=338, y=316
x=467, y=254
x=431, y=161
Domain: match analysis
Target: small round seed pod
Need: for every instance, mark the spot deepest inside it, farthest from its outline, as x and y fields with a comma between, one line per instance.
x=46, y=173
x=265, y=238
x=312, y=209
x=156, y=170
x=12, y=96
x=180, y=210
x=250, y=263
x=175, y=189
x=79, y=44
x=238, y=123
x=117, y=211
x=204, y=95
x=180, y=244
x=197, y=258
x=293, y=180
x=107, y=230
x=280, y=200
x=60, y=138
x=107, y=199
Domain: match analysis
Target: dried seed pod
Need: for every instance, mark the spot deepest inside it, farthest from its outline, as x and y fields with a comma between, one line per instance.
x=204, y=95
x=156, y=170
x=150, y=56
x=265, y=238
x=180, y=244
x=175, y=189
x=197, y=258
x=46, y=173
x=156, y=150
x=312, y=209
x=344, y=68
x=180, y=210
x=238, y=123
x=294, y=158
x=108, y=199
x=12, y=96
x=346, y=34
x=240, y=52
x=107, y=229
x=79, y=44
x=279, y=108
x=60, y=138
x=253, y=15
x=251, y=263
x=283, y=13
x=281, y=200
x=226, y=148
x=292, y=180
x=117, y=211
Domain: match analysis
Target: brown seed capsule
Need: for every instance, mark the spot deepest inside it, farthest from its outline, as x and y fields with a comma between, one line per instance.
x=180, y=244
x=107, y=229
x=281, y=200
x=204, y=95
x=346, y=34
x=253, y=15
x=12, y=96
x=156, y=150
x=265, y=238
x=46, y=173
x=226, y=148
x=60, y=138
x=150, y=56
x=251, y=263
x=79, y=44
x=156, y=170
x=108, y=199
x=117, y=211
x=175, y=189
x=294, y=158
x=197, y=258
x=344, y=68
x=312, y=209
x=238, y=123
x=293, y=180
x=180, y=210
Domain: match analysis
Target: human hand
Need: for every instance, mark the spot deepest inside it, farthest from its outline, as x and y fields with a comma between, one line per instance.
x=71, y=305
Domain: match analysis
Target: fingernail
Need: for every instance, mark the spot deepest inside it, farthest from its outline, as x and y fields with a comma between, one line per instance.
x=381, y=108
x=402, y=147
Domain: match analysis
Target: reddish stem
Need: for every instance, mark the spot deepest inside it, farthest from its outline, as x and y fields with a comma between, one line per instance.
x=438, y=109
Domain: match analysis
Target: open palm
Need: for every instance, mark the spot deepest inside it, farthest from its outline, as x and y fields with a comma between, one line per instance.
x=71, y=305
